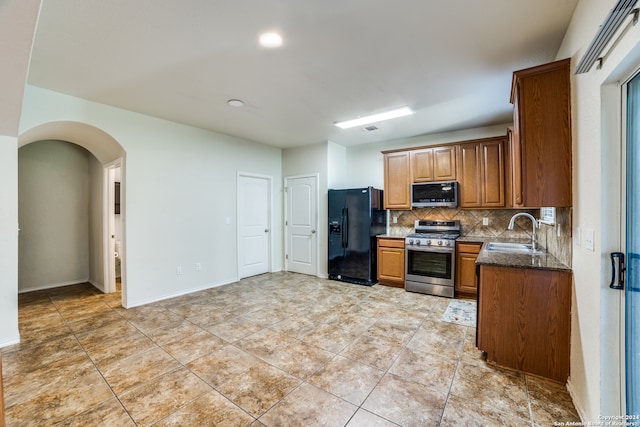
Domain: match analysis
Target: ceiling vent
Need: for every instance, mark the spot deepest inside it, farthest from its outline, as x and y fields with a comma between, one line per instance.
x=611, y=24
x=370, y=128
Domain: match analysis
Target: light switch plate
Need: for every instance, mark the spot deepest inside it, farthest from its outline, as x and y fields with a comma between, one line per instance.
x=485, y=221
x=588, y=239
x=577, y=238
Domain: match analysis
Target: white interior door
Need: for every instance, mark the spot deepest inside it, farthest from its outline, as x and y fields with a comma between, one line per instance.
x=301, y=224
x=254, y=224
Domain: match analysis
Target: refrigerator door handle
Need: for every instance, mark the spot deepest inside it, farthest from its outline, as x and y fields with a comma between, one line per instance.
x=345, y=227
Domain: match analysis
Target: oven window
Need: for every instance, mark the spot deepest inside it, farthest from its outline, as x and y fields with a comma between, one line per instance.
x=429, y=264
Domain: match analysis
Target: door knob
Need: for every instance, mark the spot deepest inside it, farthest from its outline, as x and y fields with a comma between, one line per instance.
x=313, y=231
x=266, y=230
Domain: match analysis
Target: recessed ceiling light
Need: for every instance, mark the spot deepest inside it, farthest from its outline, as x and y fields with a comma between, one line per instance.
x=270, y=40
x=374, y=118
x=235, y=103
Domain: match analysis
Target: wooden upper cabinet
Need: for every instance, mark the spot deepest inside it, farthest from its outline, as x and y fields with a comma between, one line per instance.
x=481, y=171
x=434, y=164
x=468, y=175
x=397, y=180
x=540, y=145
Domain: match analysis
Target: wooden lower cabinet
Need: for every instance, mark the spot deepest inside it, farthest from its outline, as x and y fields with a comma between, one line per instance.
x=391, y=261
x=466, y=282
x=524, y=319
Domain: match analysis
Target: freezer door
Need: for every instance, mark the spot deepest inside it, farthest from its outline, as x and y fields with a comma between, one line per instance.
x=337, y=224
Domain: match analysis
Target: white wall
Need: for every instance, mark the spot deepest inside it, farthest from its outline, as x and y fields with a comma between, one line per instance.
x=337, y=173
x=53, y=211
x=180, y=185
x=594, y=381
x=8, y=240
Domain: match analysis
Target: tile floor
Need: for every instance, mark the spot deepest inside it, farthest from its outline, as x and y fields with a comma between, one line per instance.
x=276, y=350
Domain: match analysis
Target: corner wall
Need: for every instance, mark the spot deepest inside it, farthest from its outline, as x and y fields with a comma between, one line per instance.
x=595, y=359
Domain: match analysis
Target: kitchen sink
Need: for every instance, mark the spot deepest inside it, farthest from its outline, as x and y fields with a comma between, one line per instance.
x=516, y=248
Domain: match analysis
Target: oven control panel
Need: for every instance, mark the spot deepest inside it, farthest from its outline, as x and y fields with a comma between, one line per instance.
x=428, y=242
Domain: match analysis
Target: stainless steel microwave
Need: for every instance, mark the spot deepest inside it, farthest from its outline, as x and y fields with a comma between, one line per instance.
x=430, y=194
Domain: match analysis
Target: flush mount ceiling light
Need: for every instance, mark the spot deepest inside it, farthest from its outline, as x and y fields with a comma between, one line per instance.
x=374, y=118
x=235, y=103
x=270, y=40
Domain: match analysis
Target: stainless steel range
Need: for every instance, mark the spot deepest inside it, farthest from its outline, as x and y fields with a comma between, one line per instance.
x=431, y=256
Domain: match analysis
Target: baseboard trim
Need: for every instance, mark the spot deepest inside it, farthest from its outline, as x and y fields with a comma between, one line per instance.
x=54, y=285
x=10, y=341
x=575, y=401
x=98, y=286
x=179, y=294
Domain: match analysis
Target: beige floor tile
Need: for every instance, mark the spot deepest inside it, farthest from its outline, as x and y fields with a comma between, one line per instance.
x=390, y=331
x=550, y=402
x=470, y=353
x=45, y=378
x=173, y=332
x=234, y=329
x=104, y=319
x=264, y=343
x=194, y=346
x=439, y=338
x=309, y=406
x=154, y=400
x=159, y=320
x=111, y=331
x=299, y=359
x=211, y=409
x=222, y=364
x=425, y=368
x=104, y=351
x=123, y=374
x=27, y=360
x=109, y=413
x=504, y=391
x=259, y=388
x=78, y=395
x=332, y=338
x=347, y=379
x=460, y=412
x=373, y=351
x=406, y=402
x=364, y=418
x=295, y=326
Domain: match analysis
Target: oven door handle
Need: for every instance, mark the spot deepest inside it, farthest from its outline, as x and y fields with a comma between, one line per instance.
x=439, y=249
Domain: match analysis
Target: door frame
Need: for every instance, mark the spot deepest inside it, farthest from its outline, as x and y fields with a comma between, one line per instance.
x=269, y=180
x=108, y=221
x=316, y=178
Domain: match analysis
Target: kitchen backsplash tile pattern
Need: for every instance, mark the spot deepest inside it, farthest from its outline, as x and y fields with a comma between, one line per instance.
x=557, y=244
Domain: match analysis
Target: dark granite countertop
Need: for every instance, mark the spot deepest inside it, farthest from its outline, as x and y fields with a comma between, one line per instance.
x=543, y=261
x=392, y=235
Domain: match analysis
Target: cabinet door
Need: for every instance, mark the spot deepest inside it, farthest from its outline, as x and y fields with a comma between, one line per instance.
x=466, y=273
x=468, y=175
x=542, y=134
x=444, y=163
x=422, y=162
x=391, y=266
x=492, y=174
x=397, y=180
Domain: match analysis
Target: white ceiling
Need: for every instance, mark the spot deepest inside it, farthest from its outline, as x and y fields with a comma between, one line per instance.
x=181, y=60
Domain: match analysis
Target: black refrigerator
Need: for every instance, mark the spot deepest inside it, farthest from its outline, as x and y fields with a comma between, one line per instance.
x=356, y=217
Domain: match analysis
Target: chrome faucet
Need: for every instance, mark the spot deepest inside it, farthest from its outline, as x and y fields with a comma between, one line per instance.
x=534, y=237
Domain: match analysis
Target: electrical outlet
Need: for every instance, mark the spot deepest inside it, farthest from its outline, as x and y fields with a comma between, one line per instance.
x=179, y=270
x=485, y=221
x=198, y=266
x=558, y=230
x=395, y=219
x=577, y=236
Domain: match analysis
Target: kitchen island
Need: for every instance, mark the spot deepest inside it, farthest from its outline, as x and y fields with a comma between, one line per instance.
x=524, y=312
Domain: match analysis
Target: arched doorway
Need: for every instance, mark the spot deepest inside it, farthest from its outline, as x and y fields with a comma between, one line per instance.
x=109, y=154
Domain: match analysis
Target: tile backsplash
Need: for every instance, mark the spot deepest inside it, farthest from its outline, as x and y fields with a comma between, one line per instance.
x=555, y=238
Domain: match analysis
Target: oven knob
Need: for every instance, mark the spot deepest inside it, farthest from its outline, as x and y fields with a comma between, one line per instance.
x=439, y=242
x=417, y=242
x=410, y=242
x=446, y=243
x=428, y=242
